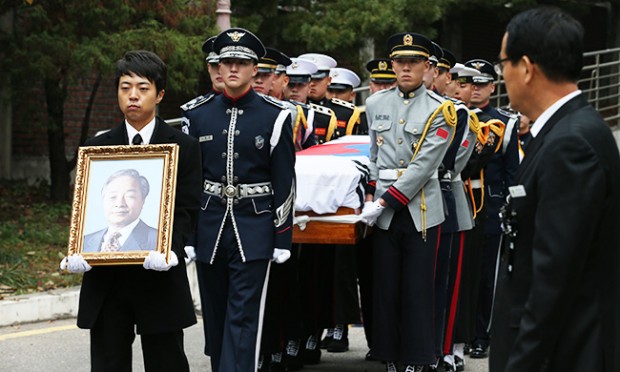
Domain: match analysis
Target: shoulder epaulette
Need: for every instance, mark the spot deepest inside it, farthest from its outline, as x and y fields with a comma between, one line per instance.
x=435, y=96
x=508, y=114
x=454, y=100
x=322, y=109
x=200, y=100
x=346, y=104
x=274, y=101
x=305, y=106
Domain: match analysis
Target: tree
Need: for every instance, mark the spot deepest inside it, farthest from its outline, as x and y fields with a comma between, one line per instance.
x=55, y=43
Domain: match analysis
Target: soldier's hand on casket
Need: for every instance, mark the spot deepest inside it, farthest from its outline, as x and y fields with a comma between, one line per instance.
x=75, y=264
x=190, y=252
x=280, y=255
x=372, y=211
x=157, y=261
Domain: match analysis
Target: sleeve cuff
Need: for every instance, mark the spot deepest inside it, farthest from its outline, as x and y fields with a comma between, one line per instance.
x=395, y=199
x=371, y=187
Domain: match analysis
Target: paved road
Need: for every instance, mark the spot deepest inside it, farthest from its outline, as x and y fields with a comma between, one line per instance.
x=58, y=346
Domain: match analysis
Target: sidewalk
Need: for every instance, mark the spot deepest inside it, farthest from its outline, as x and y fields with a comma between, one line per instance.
x=59, y=304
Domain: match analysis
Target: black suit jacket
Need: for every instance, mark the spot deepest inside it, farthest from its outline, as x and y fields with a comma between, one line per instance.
x=142, y=238
x=161, y=300
x=558, y=310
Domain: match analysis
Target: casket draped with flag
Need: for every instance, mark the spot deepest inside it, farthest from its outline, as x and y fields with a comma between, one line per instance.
x=330, y=191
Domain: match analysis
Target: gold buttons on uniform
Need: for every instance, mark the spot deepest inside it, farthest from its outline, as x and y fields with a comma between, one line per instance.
x=401, y=162
x=406, y=102
x=380, y=126
x=415, y=144
x=411, y=95
x=402, y=121
x=401, y=94
x=400, y=141
x=415, y=130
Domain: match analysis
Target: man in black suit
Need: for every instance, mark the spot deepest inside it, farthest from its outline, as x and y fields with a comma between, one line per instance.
x=124, y=194
x=156, y=302
x=557, y=305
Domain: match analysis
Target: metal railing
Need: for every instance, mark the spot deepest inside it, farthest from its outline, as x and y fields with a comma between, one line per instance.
x=600, y=83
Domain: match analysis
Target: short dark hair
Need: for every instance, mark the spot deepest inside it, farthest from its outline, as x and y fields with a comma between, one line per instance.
x=551, y=38
x=144, y=64
x=144, y=183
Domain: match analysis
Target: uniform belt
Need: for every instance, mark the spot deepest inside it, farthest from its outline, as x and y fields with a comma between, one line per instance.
x=249, y=190
x=394, y=174
x=476, y=184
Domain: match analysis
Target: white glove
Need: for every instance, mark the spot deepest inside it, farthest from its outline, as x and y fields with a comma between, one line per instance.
x=157, y=261
x=280, y=255
x=371, y=211
x=75, y=264
x=190, y=251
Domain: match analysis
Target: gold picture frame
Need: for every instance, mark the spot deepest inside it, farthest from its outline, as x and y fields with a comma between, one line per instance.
x=123, y=203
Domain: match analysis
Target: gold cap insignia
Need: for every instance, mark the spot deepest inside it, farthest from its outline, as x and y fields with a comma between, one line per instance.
x=335, y=73
x=236, y=36
x=408, y=39
x=478, y=65
x=383, y=66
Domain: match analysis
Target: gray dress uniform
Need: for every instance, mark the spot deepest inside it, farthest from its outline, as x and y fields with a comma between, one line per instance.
x=401, y=125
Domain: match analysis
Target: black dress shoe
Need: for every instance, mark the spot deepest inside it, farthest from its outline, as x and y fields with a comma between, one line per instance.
x=340, y=340
x=447, y=367
x=327, y=339
x=478, y=352
x=460, y=364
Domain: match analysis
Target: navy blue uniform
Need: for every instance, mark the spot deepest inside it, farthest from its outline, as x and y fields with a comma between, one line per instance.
x=246, y=212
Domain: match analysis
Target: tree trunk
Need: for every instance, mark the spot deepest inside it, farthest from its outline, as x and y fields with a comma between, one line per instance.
x=55, y=95
x=86, y=120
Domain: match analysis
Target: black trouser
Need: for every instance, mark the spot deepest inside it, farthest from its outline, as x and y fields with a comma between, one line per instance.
x=454, y=288
x=233, y=290
x=364, y=275
x=113, y=334
x=282, y=320
x=403, y=292
x=470, y=278
x=442, y=274
x=487, y=283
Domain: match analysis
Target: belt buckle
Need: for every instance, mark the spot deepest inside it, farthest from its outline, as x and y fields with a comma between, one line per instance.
x=230, y=191
x=399, y=172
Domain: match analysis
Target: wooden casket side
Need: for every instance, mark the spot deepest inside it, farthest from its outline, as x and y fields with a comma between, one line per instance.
x=317, y=232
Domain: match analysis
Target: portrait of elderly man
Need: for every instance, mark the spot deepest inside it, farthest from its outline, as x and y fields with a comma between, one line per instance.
x=123, y=195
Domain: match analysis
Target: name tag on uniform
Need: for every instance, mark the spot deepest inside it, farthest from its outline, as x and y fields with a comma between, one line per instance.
x=517, y=191
x=205, y=138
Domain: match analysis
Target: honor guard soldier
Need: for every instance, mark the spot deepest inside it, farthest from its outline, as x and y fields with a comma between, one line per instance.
x=320, y=79
x=488, y=142
x=217, y=87
x=266, y=75
x=281, y=80
x=342, y=96
x=296, y=94
x=381, y=75
x=499, y=174
x=246, y=208
x=410, y=131
x=282, y=324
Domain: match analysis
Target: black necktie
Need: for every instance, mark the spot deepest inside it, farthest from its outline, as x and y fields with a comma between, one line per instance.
x=137, y=139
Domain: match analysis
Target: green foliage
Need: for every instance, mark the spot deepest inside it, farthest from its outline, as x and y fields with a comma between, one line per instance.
x=33, y=239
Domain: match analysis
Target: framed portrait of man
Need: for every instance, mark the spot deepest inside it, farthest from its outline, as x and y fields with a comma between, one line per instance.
x=123, y=203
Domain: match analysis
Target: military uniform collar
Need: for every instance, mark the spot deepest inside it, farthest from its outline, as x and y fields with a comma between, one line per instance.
x=412, y=93
x=487, y=108
x=320, y=102
x=241, y=100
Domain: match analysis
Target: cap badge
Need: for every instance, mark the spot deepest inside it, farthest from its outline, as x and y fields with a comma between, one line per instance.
x=408, y=39
x=478, y=65
x=335, y=73
x=294, y=66
x=235, y=36
x=382, y=65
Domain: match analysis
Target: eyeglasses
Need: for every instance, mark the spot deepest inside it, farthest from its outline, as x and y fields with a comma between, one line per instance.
x=499, y=66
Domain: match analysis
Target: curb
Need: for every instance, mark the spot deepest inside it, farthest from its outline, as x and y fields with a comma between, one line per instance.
x=61, y=303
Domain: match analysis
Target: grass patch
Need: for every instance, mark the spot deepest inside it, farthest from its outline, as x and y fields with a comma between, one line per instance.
x=33, y=239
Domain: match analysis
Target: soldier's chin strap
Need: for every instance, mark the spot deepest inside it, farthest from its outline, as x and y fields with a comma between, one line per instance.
x=449, y=114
